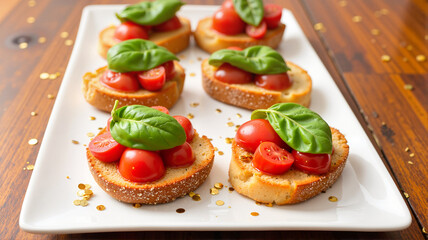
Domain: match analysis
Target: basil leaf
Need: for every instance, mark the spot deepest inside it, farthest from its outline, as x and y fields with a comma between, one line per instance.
x=150, y=13
x=137, y=55
x=250, y=11
x=256, y=59
x=145, y=128
x=301, y=128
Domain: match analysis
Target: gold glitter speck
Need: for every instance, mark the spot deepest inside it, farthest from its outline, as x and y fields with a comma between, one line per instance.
x=319, y=27
x=92, y=118
x=218, y=185
x=42, y=40
x=424, y=230
x=408, y=87
x=230, y=124
x=219, y=203
x=411, y=155
x=190, y=116
x=23, y=45
x=214, y=191
x=229, y=140
x=64, y=34
x=83, y=203
x=386, y=58
x=231, y=189
x=68, y=42
x=410, y=162
x=332, y=199
x=30, y=167
x=238, y=115
x=192, y=74
x=268, y=204
x=44, y=75
x=196, y=197
x=194, y=104
x=76, y=202
x=31, y=20
x=136, y=205
x=81, y=186
x=101, y=208
x=220, y=153
x=68, y=177
x=406, y=195
x=357, y=19
x=191, y=194
x=180, y=210
x=74, y=142
x=421, y=58
x=375, y=31
x=255, y=214
x=52, y=76
x=218, y=110
x=90, y=134
x=407, y=149
x=33, y=114
x=33, y=141
x=51, y=96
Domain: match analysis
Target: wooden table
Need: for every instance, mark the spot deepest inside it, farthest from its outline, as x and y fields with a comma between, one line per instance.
x=375, y=50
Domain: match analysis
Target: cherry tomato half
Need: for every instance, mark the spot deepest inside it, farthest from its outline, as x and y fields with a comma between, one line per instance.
x=125, y=82
x=169, y=69
x=272, y=159
x=228, y=22
x=105, y=148
x=129, y=30
x=188, y=127
x=141, y=166
x=312, y=163
x=161, y=108
x=169, y=25
x=228, y=4
x=276, y=82
x=252, y=133
x=256, y=32
x=153, y=79
x=180, y=156
x=231, y=74
x=272, y=15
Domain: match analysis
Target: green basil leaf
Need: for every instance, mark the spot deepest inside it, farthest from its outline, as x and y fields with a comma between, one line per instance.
x=301, y=128
x=150, y=13
x=250, y=11
x=256, y=59
x=137, y=55
x=145, y=128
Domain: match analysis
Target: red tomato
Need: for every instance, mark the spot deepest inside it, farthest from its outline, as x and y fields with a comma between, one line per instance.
x=188, y=127
x=276, y=82
x=129, y=30
x=125, y=82
x=235, y=48
x=228, y=22
x=141, y=166
x=228, y=4
x=272, y=15
x=312, y=163
x=180, y=156
x=272, y=159
x=256, y=32
x=153, y=79
x=231, y=74
x=169, y=25
x=252, y=133
x=169, y=69
x=105, y=148
x=161, y=108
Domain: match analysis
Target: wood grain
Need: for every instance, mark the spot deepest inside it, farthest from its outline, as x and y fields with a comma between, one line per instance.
x=346, y=48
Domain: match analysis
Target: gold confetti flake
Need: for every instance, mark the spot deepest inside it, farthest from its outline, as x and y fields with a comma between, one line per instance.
x=81, y=186
x=51, y=96
x=194, y=104
x=68, y=42
x=42, y=40
x=230, y=124
x=375, y=31
x=218, y=185
x=83, y=203
x=190, y=116
x=87, y=186
x=408, y=86
x=180, y=210
x=33, y=141
x=89, y=134
x=411, y=155
x=31, y=3
x=64, y=34
x=33, y=114
x=231, y=189
x=31, y=20
x=386, y=58
x=319, y=27
x=52, y=76
x=254, y=214
x=332, y=199
x=219, y=203
x=30, y=167
x=406, y=195
x=215, y=149
x=44, y=75
x=92, y=118
x=76, y=202
x=258, y=203
x=357, y=19
x=191, y=194
x=268, y=204
x=421, y=58
x=229, y=140
x=81, y=193
x=424, y=230
x=214, y=191
x=23, y=45
x=410, y=162
x=136, y=205
x=68, y=177
x=407, y=149
x=101, y=208
x=192, y=74
x=196, y=197
x=74, y=142
x=220, y=153
x=218, y=110
x=343, y=3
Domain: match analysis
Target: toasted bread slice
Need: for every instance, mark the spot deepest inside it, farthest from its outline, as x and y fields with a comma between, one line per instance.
x=291, y=187
x=103, y=97
x=211, y=40
x=177, y=182
x=175, y=41
x=253, y=97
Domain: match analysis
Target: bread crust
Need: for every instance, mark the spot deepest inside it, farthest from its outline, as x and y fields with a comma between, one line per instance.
x=211, y=40
x=291, y=187
x=250, y=96
x=175, y=41
x=177, y=182
x=103, y=97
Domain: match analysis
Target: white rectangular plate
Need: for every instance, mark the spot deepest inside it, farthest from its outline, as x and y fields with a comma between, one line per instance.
x=368, y=199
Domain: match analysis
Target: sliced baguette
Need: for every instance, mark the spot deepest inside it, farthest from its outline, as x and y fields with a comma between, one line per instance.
x=211, y=40
x=253, y=97
x=177, y=182
x=103, y=97
x=175, y=41
x=291, y=187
